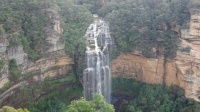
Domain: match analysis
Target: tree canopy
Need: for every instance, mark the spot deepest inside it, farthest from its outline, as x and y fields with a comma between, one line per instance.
x=145, y=25
x=144, y=97
x=98, y=104
x=11, y=109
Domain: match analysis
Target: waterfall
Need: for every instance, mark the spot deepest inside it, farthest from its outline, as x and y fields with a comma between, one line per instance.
x=97, y=76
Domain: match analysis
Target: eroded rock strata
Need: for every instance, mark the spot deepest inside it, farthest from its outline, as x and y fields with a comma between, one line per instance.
x=183, y=70
x=55, y=62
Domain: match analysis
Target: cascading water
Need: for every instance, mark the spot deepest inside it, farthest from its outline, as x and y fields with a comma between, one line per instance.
x=97, y=77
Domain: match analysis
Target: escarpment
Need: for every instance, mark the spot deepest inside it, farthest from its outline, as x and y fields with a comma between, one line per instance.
x=53, y=60
x=42, y=48
x=183, y=70
x=41, y=44
x=187, y=58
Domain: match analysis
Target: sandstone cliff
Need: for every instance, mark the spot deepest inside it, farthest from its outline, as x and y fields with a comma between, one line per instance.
x=54, y=62
x=184, y=70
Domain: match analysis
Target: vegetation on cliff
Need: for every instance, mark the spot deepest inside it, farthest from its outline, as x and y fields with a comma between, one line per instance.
x=92, y=5
x=146, y=25
x=15, y=72
x=144, y=97
x=23, y=22
x=194, y=4
x=1, y=64
x=54, y=94
x=149, y=26
x=76, y=20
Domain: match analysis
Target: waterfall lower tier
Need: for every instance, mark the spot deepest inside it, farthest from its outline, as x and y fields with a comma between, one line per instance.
x=96, y=76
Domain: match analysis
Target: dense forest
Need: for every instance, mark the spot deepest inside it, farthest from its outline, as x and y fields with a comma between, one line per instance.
x=142, y=97
x=25, y=22
x=141, y=25
x=134, y=23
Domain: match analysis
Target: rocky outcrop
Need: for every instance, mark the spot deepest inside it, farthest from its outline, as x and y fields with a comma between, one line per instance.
x=8, y=53
x=17, y=53
x=54, y=31
x=53, y=65
x=3, y=45
x=4, y=70
x=9, y=91
x=188, y=57
x=184, y=70
x=54, y=61
x=147, y=69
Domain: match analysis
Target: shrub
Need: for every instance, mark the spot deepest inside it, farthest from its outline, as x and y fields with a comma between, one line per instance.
x=14, y=71
x=2, y=62
x=186, y=49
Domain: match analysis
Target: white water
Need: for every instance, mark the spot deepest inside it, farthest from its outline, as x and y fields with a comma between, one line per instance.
x=96, y=76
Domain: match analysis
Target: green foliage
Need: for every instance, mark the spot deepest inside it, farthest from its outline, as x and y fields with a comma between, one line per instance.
x=153, y=97
x=54, y=94
x=81, y=106
x=2, y=31
x=6, y=86
x=31, y=53
x=186, y=49
x=14, y=71
x=15, y=40
x=2, y=62
x=33, y=25
x=27, y=22
x=169, y=43
x=52, y=83
x=76, y=18
x=122, y=85
x=101, y=105
x=98, y=104
x=145, y=25
x=92, y=5
x=22, y=110
x=56, y=101
x=28, y=19
x=11, y=109
x=189, y=71
x=50, y=104
x=8, y=109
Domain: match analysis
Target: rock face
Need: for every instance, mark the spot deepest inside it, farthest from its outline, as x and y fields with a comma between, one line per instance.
x=17, y=53
x=146, y=69
x=53, y=32
x=54, y=62
x=4, y=70
x=3, y=45
x=183, y=71
x=188, y=58
x=53, y=65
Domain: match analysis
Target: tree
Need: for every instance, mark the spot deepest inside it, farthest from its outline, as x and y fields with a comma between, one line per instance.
x=11, y=109
x=49, y=104
x=2, y=31
x=98, y=104
x=14, y=71
x=76, y=21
